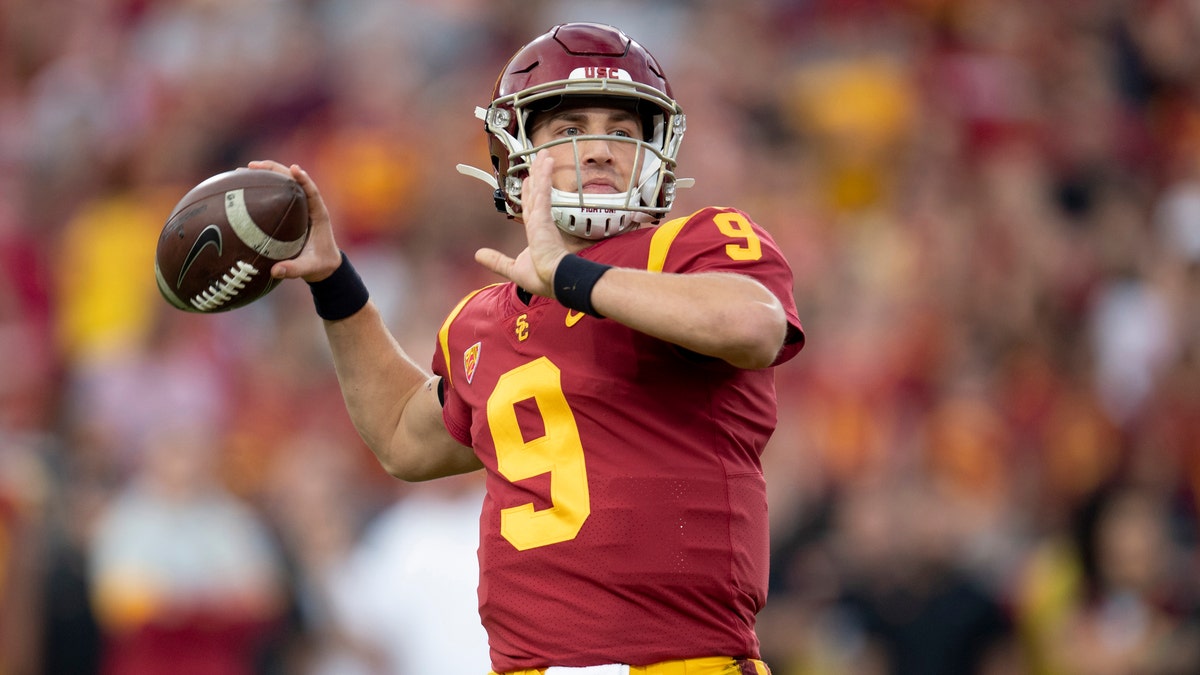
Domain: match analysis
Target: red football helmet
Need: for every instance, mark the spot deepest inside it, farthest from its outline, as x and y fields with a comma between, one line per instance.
x=598, y=62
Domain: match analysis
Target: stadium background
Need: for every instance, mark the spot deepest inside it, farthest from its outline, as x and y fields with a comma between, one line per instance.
x=988, y=457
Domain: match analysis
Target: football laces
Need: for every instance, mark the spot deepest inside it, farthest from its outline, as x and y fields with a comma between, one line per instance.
x=226, y=289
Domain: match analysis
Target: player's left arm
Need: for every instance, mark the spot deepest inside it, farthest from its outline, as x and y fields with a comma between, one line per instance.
x=726, y=315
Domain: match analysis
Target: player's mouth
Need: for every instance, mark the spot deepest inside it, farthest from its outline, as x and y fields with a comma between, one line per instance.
x=599, y=187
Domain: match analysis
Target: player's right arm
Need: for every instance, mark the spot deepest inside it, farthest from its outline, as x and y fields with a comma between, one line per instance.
x=392, y=402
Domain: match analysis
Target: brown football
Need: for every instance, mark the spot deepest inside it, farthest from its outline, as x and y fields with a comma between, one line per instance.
x=216, y=251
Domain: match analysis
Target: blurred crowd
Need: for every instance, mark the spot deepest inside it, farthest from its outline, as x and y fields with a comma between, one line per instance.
x=988, y=456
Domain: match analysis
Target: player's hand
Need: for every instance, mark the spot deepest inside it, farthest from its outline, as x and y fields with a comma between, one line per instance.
x=533, y=268
x=320, y=255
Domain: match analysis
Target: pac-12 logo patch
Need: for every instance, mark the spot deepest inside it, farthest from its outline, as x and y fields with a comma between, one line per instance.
x=470, y=360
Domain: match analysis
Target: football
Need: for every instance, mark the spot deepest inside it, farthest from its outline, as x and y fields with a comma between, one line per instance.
x=216, y=250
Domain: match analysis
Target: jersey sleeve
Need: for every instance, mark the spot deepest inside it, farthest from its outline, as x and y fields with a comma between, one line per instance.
x=727, y=240
x=456, y=414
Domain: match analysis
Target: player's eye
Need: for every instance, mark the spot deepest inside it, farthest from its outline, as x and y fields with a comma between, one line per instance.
x=622, y=132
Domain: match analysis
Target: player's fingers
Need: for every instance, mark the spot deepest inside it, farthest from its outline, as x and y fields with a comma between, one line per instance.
x=269, y=165
x=301, y=176
x=495, y=261
x=316, y=205
x=309, y=262
x=284, y=270
x=320, y=255
x=537, y=185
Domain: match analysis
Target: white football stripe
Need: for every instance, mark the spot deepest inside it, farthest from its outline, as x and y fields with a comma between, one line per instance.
x=165, y=288
x=251, y=234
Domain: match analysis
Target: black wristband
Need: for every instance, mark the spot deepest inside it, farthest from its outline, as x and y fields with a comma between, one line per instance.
x=574, y=279
x=341, y=294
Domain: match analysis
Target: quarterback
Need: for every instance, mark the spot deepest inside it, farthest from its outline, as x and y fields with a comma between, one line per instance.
x=616, y=387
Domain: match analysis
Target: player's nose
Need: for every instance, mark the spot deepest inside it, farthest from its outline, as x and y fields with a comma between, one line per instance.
x=597, y=151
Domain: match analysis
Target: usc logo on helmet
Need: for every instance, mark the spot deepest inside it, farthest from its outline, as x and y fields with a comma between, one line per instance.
x=594, y=72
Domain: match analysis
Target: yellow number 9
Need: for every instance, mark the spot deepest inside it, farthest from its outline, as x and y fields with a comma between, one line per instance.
x=558, y=452
x=733, y=225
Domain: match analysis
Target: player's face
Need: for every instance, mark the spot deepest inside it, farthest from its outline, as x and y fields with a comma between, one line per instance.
x=605, y=166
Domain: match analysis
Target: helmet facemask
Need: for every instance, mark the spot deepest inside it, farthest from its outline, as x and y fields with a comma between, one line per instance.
x=651, y=188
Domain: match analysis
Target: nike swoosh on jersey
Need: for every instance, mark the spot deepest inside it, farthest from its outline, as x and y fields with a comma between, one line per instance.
x=573, y=317
x=209, y=236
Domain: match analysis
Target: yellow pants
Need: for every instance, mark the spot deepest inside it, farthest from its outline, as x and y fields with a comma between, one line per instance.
x=715, y=665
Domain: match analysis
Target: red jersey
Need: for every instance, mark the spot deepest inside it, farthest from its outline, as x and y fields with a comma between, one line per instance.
x=625, y=519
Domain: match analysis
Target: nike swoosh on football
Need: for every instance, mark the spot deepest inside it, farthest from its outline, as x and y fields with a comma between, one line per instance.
x=573, y=317
x=209, y=236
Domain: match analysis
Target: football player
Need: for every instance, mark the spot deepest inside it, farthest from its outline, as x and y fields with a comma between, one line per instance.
x=617, y=389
